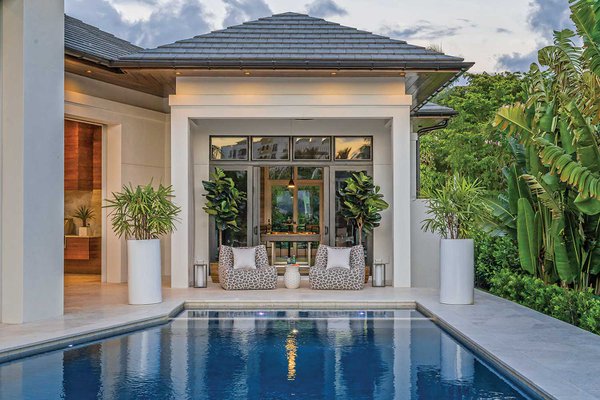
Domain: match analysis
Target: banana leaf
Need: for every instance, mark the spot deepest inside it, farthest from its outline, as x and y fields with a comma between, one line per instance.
x=527, y=239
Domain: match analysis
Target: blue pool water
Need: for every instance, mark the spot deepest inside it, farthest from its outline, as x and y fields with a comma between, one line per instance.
x=265, y=355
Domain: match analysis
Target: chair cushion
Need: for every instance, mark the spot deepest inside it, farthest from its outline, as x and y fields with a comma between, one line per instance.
x=244, y=258
x=338, y=257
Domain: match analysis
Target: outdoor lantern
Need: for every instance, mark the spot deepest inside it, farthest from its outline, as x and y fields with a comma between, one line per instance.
x=200, y=274
x=378, y=279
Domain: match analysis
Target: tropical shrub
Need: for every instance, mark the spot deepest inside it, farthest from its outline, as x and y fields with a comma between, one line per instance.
x=456, y=209
x=552, y=204
x=223, y=202
x=143, y=212
x=492, y=254
x=580, y=308
x=85, y=214
x=361, y=203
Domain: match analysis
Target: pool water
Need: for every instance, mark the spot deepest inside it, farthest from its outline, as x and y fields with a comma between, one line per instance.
x=265, y=355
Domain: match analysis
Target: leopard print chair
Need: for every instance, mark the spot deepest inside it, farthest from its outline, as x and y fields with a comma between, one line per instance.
x=338, y=278
x=263, y=277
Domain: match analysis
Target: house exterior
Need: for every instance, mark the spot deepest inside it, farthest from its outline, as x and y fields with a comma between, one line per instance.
x=285, y=97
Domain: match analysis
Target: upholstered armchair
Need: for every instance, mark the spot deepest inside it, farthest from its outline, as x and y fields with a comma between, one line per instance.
x=338, y=278
x=263, y=277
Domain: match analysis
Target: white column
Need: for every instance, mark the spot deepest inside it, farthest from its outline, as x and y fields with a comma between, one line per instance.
x=32, y=159
x=181, y=239
x=414, y=172
x=402, y=171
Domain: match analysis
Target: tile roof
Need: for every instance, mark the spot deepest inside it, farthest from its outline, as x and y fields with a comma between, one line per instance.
x=291, y=40
x=87, y=41
x=434, y=110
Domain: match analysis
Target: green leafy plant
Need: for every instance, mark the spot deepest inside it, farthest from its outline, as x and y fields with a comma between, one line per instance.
x=492, y=254
x=552, y=204
x=361, y=203
x=223, y=201
x=143, y=212
x=457, y=209
x=85, y=214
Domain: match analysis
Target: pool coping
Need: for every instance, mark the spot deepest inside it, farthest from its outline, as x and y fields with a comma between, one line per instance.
x=91, y=335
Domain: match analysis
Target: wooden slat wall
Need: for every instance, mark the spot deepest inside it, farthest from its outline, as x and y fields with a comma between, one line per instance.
x=83, y=156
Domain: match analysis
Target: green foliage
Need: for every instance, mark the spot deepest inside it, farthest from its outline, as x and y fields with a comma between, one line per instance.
x=456, y=209
x=84, y=213
x=580, y=308
x=143, y=212
x=223, y=201
x=492, y=254
x=470, y=145
x=361, y=203
x=557, y=188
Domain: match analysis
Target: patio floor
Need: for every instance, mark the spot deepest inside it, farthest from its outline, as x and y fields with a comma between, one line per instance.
x=561, y=360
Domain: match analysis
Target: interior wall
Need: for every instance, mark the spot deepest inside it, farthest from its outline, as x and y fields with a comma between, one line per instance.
x=136, y=153
x=382, y=160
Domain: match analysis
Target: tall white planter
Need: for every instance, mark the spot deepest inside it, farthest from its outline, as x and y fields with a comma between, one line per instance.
x=144, y=272
x=457, y=271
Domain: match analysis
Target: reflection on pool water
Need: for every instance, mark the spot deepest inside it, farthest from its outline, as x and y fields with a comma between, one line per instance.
x=265, y=355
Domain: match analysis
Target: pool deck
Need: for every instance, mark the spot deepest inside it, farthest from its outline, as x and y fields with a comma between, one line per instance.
x=560, y=360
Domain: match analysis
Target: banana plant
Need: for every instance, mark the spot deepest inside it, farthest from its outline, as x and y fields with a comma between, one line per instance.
x=556, y=220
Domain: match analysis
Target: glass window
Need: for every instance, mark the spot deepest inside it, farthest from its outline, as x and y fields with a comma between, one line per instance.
x=277, y=173
x=353, y=148
x=312, y=148
x=313, y=173
x=270, y=148
x=229, y=148
x=282, y=209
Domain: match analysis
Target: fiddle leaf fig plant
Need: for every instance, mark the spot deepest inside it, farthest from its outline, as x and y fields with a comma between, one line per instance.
x=361, y=203
x=223, y=202
x=143, y=212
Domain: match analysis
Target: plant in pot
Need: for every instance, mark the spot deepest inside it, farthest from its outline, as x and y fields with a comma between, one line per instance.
x=361, y=203
x=223, y=202
x=455, y=211
x=142, y=215
x=85, y=214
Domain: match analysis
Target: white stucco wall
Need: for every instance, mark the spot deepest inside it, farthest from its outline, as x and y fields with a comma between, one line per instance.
x=136, y=151
x=425, y=266
x=322, y=99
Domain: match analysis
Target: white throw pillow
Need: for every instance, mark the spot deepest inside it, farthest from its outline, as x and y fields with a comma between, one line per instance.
x=338, y=258
x=244, y=258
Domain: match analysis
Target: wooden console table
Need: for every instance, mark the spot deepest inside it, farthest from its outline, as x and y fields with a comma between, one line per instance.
x=293, y=237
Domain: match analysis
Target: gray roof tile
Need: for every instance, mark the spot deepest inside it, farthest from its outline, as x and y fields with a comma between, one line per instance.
x=284, y=40
x=82, y=39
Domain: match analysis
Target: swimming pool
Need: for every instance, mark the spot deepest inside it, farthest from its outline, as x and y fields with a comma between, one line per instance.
x=397, y=354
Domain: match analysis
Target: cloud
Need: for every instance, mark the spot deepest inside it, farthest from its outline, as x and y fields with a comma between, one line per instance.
x=178, y=20
x=422, y=30
x=325, y=9
x=503, y=30
x=238, y=11
x=545, y=16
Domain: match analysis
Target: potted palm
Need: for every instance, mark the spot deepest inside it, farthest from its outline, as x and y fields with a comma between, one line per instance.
x=223, y=202
x=142, y=215
x=361, y=203
x=85, y=214
x=455, y=211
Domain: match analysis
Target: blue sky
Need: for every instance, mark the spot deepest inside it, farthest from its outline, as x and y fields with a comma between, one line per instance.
x=496, y=35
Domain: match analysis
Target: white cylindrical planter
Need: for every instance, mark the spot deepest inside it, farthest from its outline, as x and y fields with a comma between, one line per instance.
x=291, y=277
x=144, y=272
x=457, y=272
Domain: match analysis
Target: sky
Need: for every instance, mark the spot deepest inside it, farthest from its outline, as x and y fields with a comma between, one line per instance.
x=496, y=35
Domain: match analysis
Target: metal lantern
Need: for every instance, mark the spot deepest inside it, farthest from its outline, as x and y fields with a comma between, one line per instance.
x=378, y=279
x=200, y=274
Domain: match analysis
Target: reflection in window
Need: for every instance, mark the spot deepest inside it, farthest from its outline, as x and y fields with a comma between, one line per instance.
x=314, y=173
x=312, y=148
x=353, y=148
x=229, y=148
x=277, y=173
x=270, y=148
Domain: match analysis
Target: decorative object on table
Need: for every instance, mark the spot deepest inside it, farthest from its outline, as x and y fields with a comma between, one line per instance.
x=361, y=203
x=200, y=274
x=455, y=210
x=352, y=278
x=264, y=276
x=223, y=202
x=85, y=214
x=69, y=226
x=142, y=215
x=291, y=277
x=378, y=279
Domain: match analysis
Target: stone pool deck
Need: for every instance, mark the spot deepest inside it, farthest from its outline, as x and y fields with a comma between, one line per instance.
x=559, y=360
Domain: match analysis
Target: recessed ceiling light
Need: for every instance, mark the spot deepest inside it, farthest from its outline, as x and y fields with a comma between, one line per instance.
x=247, y=73
x=89, y=71
x=334, y=73
x=177, y=73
